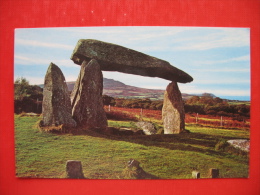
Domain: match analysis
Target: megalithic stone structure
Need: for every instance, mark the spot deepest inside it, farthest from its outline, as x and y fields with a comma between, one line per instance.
x=173, y=113
x=56, y=106
x=86, y=98
x=113, y=57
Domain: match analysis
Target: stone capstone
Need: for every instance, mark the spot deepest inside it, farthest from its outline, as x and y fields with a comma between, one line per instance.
x=113, y=57
x=173, y=114
x=147, y=127
x=56, y=106
x=86, y=98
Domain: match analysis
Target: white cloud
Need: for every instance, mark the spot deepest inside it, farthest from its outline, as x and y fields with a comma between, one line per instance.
x=18, y=59
x=231, y=92
x=25, y=60
x=193, y=89
x=231, y=70
x=236, y=59
x=33, y=80
x=43, y=44
x=221, y=81
x=225, y=37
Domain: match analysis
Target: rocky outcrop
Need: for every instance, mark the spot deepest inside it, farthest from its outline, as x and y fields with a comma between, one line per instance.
x=173, y=114
x=113, y=57
x=86, y=98
x=137, y=172
x=241, y=144
x=56, y=106
x=147, y=127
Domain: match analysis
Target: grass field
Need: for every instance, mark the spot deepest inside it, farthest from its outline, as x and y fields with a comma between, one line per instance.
x=44, y=155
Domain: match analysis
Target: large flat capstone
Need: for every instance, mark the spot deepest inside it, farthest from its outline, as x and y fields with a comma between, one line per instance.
x=113, y=57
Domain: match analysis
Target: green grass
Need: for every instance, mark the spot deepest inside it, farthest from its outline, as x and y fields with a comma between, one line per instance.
x=44, y=155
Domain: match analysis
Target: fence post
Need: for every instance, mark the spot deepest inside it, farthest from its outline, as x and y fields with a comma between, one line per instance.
x=195, y=174
x=74, y=169
x=221, y=121
x=197, y=118
x=214, y=173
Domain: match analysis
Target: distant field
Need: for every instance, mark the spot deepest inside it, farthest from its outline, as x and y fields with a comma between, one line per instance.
x=239, y=102
x=103, y=156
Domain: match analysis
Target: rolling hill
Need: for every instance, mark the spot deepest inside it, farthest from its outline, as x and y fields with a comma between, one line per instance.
x=118, y=89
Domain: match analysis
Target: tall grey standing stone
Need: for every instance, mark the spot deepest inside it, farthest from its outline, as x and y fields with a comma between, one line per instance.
x=86, y=98
x=173, y=114
x=56, y=106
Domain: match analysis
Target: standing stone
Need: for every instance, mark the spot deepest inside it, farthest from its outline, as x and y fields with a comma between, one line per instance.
x=74, y=169
x=173, y=114
x=56, y=106
x=86, y=98
x=241, y=144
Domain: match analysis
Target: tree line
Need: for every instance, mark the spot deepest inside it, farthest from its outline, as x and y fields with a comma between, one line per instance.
x=28, y=98
x=205, y=104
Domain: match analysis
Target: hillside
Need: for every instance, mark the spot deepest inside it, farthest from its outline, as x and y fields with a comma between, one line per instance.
x=118, y=89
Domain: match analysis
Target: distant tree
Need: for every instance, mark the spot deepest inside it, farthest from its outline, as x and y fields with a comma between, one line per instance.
x=218, y=100
x=27, y=98
x=119, y=102
x=207, y=100
x=108, y=100
x=159, y=105
x=211, y=112
x=21, y=88
x=193, y=100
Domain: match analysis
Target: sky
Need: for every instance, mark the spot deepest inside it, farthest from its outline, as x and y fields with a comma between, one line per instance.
x=218, y=59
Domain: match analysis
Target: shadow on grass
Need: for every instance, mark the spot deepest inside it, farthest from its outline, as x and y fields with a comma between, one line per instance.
x=194, y=142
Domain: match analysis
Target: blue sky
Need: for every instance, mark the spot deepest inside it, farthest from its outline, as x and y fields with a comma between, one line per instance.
x=217, y=58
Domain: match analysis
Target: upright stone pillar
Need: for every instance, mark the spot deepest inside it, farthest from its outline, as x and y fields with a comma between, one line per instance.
x=86, y=98
x=173, y=113
x=56, y=106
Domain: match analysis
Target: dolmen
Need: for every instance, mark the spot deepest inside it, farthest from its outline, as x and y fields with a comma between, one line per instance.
x=113, y=57
x=96, y=56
